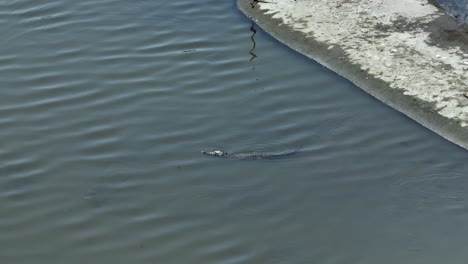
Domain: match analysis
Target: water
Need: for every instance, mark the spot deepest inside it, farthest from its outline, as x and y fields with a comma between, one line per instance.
x=458, y=9
x=106, y=106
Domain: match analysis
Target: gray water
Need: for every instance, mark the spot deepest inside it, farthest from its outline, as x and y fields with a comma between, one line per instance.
x=106, y=106
x=458, y=9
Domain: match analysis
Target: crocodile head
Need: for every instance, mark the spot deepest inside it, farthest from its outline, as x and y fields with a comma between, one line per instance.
x=217, y=153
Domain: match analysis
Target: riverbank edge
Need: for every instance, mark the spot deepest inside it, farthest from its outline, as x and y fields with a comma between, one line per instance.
x=335, y=59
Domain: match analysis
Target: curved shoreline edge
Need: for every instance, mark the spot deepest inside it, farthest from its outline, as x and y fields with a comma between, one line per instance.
x=406, y=53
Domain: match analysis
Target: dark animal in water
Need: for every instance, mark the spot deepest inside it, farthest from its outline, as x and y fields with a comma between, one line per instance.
x=250, y=155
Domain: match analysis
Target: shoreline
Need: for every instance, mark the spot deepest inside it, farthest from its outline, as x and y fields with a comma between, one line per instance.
x=406, y=53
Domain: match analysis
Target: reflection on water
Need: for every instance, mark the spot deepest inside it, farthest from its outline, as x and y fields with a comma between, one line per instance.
x=106, y=107
x=252, y=51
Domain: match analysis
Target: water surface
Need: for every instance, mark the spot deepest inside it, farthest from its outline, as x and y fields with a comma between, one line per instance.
x=458, y=9
x=106, y=107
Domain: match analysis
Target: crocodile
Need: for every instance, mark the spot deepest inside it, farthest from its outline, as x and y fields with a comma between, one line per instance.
x=250, y=155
